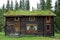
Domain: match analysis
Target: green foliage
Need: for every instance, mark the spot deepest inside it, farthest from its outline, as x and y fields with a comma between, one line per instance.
x=3, y=7
x=48, y=5
x=2, y=37
x=57, y=19
x=57, y=35
x=38, y=6
x=58, y=8
x=8, y=5
x=57, y=24
x=29, y=13
x=11, y=7
x=20, y=6
x=42, y=4
x=16, y=5
x=1, y=20
x=27, y=5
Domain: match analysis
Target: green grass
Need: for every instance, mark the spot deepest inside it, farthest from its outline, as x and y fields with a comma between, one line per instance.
x=2, y=37
x=30, y=13
x=57, y=35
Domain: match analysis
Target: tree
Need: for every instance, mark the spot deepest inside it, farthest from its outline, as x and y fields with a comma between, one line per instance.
x=57, y=19
x=16, y=5
x=48, y=4
x=38, y=6
x=3, y=8
x=20, y=6
x=58, y=8
x=23, y=5
x=8, y=5
x=27, y=5
x=11, y=7
x=42, y=4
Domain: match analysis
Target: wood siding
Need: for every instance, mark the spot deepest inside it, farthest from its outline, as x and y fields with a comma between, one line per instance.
x=17, y=25
x=20, y=25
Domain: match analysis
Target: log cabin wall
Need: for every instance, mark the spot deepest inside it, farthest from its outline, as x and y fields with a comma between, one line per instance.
x=49, y=26
x=38, y=20
x=9, y=25
x=12, y=25
x=17, y=24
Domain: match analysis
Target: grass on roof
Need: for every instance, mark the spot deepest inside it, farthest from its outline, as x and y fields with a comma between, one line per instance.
x=29, y=13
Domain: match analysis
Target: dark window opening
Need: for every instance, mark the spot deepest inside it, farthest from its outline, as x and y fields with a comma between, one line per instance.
x=47, y=18
x=48, y=27
x=31, y=18
x=32, y=27
x=17, y=18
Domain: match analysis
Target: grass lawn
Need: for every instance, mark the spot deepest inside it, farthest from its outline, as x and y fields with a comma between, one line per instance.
x=2, y=37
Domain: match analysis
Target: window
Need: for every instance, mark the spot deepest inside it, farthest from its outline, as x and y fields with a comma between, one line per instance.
x=47, y=19
x=31, y=27
x=17, y=19
x=31, y=18
x=48, y=27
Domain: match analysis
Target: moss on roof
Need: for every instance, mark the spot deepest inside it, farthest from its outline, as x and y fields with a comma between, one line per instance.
x=29, y=13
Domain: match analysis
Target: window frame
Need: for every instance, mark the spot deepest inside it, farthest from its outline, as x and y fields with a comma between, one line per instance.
x=29, y=25
x=31, y=18
x=47, y=19
x=16, y=18
x=48, y=26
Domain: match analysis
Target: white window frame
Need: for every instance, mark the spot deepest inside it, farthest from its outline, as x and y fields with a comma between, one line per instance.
x=34, y=25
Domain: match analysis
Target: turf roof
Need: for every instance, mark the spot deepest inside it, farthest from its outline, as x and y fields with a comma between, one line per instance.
x=29, y=13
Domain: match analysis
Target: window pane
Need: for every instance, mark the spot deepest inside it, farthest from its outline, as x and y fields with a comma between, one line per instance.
x=47, y=18
x=47, y=27
x=31, y=27
x=31, y=18
x=17, y=19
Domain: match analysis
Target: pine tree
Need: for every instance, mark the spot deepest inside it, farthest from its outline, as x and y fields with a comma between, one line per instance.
x=11, y=5
x=57, y=19
x=27, y=5
x=58, y=8
x=16, y=5
x=38, y=6
x=8, y=5
x=20, y=6
x=42, y=4
x=48, y=4
x=3, y=8
x=23, y=5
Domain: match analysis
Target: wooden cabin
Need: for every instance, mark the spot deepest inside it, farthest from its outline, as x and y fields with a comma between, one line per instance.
x=29, y=23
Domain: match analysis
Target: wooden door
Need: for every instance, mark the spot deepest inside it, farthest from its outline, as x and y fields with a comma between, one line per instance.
x=17, y=24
